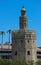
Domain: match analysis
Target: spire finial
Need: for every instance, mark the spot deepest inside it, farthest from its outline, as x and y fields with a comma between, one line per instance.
x=23, y=10
x=23, y=7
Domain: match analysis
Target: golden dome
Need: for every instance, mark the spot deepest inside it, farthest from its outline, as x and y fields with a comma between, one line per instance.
x=23, y=9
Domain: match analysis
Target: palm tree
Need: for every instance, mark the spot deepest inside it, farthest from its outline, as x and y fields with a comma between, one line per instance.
x=2, y=33
x=9, y=31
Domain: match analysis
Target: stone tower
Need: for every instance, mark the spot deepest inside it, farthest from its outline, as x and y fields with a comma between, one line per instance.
x=24, y=41
x=23, y=19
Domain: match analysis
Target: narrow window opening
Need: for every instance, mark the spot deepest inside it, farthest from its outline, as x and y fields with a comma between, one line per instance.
x=28, y=41
x=16, y=53
x=28, y=52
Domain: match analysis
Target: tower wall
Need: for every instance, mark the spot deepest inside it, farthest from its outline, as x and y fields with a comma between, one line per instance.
x=30, y=46
x=23, y=22
x=18, y=46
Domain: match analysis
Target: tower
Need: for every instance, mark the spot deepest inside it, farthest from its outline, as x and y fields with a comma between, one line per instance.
x=23, y=19
x=24, y=41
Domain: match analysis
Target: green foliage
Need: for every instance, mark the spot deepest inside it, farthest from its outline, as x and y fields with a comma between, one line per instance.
x=30, y=62
x=12, y=62
x=18, y=62
x=38, y=62
x=5, y=62
x=15, y=62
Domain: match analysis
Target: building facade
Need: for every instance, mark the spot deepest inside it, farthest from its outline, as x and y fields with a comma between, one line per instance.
x=6, y=52
x=24, y=40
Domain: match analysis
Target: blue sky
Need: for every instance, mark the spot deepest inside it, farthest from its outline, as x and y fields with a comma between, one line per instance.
x=10, y=12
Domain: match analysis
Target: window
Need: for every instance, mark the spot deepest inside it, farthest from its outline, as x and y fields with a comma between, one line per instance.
x=28, y=52
x=39, y=57
x=38, y=52
x=16, y=53
x=5, y=51
x=28, y=41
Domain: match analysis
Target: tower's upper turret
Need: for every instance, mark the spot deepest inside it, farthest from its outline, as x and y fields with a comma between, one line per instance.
x=23, y=11
x=23, y=19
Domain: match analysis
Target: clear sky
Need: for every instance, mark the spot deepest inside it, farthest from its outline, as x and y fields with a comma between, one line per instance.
x=10, y=12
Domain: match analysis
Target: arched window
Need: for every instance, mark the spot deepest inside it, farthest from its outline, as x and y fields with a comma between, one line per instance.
x=28, y=52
